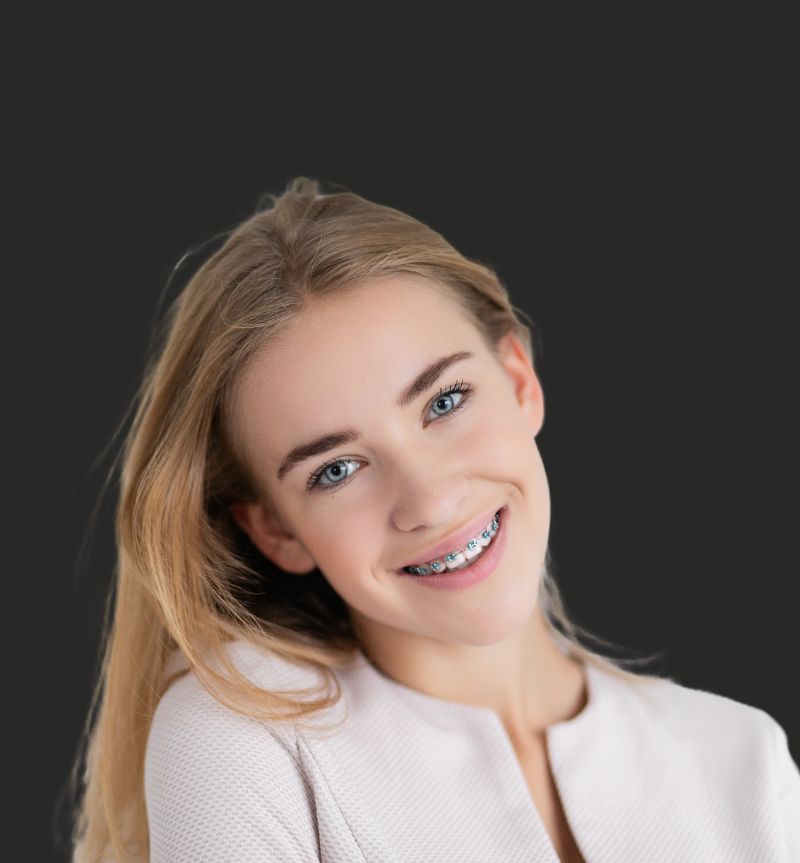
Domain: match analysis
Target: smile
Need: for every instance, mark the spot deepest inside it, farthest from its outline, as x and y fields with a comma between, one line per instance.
x=461, y=558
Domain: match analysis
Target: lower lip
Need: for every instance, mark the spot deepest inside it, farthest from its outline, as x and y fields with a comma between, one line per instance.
x=483, y=567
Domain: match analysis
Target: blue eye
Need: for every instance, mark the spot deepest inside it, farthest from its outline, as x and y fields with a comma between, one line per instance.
x=441, y=401
x=332, y=469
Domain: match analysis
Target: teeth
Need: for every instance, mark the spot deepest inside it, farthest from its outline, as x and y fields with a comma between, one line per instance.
x=473, y=549
x=454, y=560
x=460, y=559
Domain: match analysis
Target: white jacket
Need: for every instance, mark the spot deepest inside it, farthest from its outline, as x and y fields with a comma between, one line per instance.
x=647, y=773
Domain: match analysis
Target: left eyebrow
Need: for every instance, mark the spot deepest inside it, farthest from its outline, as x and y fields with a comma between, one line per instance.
x=422, y=382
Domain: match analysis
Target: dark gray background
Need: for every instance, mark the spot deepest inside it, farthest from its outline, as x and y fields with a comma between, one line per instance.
x=637, y=212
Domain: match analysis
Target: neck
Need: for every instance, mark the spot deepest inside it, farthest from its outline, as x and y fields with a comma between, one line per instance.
x=526, y=679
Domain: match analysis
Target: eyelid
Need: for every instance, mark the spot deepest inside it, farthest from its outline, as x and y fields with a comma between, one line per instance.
x=462, y=387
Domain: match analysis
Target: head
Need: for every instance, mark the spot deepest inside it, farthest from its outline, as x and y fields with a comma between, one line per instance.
x=313, y=317
x=410, y=474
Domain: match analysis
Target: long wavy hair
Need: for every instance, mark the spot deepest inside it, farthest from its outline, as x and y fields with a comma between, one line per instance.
x=187, y=578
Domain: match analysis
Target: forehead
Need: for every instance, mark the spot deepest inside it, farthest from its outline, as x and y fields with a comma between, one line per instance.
x=343, y=353
x=389, y=325
x=388, y=305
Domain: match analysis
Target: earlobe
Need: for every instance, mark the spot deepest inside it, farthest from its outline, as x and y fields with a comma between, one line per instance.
x=270, y=538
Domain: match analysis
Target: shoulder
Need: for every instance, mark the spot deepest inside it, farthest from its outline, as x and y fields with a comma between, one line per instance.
x=220, y=785
x=689, y=712
x=719, y=760
x=188, y=717
x=188, y=710
x=711, y=729
x=710, y=716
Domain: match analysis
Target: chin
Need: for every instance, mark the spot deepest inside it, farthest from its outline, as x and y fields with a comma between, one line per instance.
x=501, y=622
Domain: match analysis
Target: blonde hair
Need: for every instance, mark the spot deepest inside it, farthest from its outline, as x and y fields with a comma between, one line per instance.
x=186, y=576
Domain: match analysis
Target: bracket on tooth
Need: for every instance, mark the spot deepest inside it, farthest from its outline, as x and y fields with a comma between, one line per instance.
x=472, y=545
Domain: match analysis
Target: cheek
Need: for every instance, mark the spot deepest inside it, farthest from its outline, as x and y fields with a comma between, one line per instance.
x=501, y=448
x=500, y=440
x=344, y=556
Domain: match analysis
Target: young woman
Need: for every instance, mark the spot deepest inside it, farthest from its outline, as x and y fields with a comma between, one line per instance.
x=335, y=634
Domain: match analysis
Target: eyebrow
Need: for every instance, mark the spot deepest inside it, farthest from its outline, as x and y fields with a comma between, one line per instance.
x=422, y=382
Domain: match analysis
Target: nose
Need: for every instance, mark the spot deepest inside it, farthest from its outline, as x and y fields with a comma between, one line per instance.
x=429, y=498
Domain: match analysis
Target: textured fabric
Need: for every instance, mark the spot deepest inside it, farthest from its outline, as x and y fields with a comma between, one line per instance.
x=647, y=773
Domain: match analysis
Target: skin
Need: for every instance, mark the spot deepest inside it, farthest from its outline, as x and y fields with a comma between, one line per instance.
x=416, y=475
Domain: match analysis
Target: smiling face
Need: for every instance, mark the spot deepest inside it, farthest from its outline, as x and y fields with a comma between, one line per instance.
x=416, y=473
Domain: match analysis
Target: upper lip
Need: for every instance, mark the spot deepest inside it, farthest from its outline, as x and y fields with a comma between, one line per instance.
x=454, y=541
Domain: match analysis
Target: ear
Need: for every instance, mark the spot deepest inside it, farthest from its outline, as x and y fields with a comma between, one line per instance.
x=528, y=391
x=270, y=538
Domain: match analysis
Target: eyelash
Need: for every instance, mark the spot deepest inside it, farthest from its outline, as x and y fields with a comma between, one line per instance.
x=459, y=387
